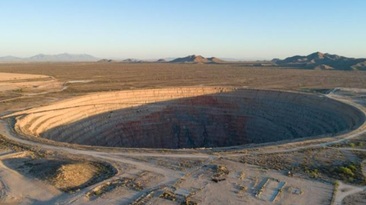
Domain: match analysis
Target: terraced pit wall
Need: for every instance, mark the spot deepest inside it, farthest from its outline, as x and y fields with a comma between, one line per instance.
x=189, y=118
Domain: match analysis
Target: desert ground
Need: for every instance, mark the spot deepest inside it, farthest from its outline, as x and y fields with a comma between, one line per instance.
x=163, y=133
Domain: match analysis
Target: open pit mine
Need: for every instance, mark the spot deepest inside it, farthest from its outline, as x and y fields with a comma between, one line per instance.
x=188, y=117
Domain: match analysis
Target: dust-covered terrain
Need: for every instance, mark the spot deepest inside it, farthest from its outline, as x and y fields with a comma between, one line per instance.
x=151, y=133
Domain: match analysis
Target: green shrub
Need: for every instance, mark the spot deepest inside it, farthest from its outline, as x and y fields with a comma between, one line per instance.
x=314, y=173
x=346, y=171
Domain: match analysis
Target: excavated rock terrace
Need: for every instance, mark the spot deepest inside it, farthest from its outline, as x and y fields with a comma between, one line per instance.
x=188, y=117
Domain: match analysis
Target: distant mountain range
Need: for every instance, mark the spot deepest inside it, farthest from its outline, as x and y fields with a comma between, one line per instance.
x=132, y=60
x=317, y=60
x=63, y=57
x=197, y=59
x=128, y=60
x=188, y=59
x=322, y=61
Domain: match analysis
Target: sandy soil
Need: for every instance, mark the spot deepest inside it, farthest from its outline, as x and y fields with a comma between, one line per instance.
x=348, y=194
x=15, y=77
x=165, y=176
x=17, y=188
x=244, y=181
x=355, y=199
x=23, y=83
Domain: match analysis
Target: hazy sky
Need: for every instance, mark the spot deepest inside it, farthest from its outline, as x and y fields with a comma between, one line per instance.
x=243, y=29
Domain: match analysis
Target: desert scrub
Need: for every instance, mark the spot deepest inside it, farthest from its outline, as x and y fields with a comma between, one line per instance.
x=313, y=173
x=347, y=172
x=109, y=186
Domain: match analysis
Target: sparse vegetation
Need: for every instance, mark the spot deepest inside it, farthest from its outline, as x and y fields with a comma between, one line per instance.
x=121, y=182
x=314, y=173
x=168, y=195
x=319, y=164
x=179, y=164
x=187, y=201
x=66, y=175
x=220, y=173
x=359, y=142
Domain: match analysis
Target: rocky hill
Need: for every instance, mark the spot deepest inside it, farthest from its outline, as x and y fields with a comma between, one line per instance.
x=323, y=61
x=132, y=60
x=104, y=60
x=161, y=60
x=197, y=59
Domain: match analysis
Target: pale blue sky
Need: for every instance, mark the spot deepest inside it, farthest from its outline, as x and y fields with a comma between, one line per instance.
x=243, y=29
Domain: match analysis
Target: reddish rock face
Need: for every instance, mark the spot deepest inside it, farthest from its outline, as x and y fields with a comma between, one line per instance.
x=214, y=120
